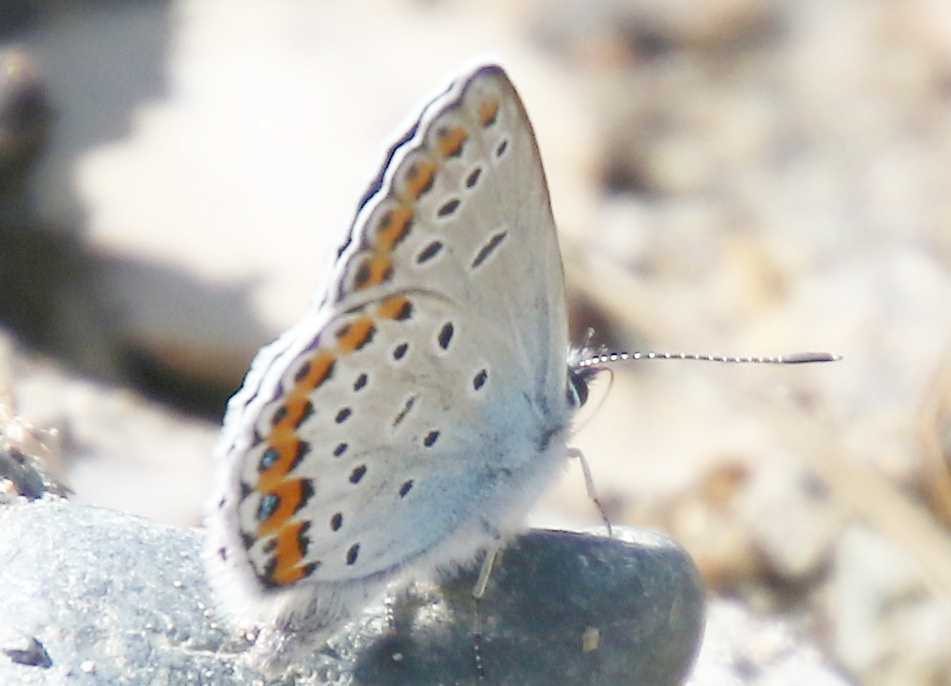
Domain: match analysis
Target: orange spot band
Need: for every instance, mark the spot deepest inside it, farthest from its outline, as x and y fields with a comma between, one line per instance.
x=317, y=372
x=355, y=334
x=298, y=406
x=292, y=494
x=288, y=451
x=392, y=307
x=393, y=228
x=488, y=110
x=380, y=267
x=419, y=179
x=451, y=143
x=288, y=554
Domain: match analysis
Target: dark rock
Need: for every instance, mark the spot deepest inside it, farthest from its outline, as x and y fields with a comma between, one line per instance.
x=561, y=608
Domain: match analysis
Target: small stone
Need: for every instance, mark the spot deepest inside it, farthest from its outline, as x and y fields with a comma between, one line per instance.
x=548, y=589
x=590, y=639
x=24, y=650
x=25, y=475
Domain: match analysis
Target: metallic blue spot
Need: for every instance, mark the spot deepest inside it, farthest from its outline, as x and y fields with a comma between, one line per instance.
x=268, y=459
x=268, y=506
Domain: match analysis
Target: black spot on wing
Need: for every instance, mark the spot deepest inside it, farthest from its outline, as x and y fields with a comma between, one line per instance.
x=302, y=372
x=445, y=335
x=478, y=381
x=429, y=252
x=473, y=177
x=352, y=553
x=256, y=439
x=486, y=250
x=448, y=207
x=405, y=411
x=357, y=474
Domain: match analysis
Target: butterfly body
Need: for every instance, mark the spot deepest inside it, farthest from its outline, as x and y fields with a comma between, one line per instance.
x=422, y=406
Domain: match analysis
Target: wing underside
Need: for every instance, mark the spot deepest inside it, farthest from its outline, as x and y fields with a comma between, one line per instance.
x=370, y=432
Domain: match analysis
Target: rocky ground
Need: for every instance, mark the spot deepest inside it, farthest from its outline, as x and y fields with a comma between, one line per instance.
x=741, y=176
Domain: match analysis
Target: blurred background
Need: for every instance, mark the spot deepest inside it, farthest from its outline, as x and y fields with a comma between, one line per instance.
x=733, y=176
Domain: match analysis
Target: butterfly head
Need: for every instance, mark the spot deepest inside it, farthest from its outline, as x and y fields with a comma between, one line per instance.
x=579, y=379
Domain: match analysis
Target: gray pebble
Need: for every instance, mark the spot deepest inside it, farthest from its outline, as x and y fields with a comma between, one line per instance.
x=91, y=586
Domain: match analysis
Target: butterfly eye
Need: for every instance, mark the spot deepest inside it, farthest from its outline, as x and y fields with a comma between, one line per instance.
x=577, y=388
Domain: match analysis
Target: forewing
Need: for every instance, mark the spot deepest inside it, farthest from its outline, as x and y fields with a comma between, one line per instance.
x=463, y=209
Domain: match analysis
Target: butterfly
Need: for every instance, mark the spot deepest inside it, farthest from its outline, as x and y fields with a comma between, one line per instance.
x=414, y=415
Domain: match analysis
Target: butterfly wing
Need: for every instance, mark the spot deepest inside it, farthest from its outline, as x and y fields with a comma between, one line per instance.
x=463, y=203
x=401, y=419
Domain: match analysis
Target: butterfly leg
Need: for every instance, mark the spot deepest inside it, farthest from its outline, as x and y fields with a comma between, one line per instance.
x=485, y=571
x=589, y=487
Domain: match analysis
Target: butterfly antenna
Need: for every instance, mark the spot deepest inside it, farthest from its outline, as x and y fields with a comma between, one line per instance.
x=794, y=358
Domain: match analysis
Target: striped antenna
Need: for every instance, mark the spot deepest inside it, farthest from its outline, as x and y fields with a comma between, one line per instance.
x=794, y=358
